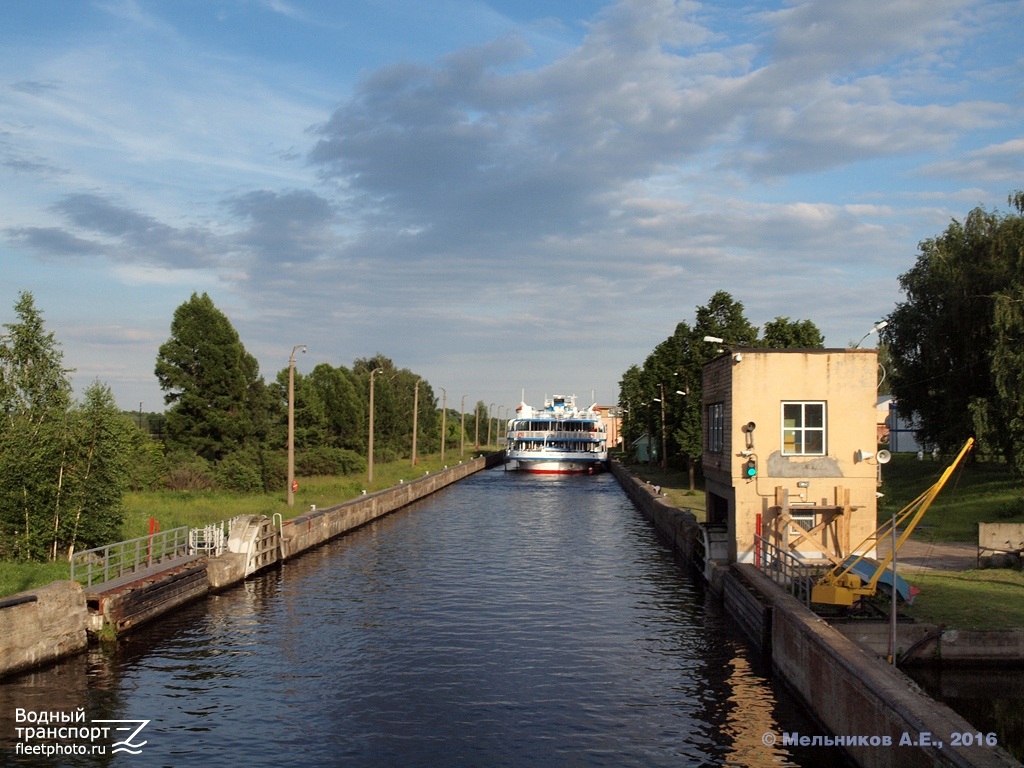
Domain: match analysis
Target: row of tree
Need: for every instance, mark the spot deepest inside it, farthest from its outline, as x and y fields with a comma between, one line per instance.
x=662, y=398
x=65, y=465
x=956, y=342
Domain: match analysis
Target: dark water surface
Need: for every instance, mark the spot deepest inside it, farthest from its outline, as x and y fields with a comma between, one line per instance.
x=511, y=620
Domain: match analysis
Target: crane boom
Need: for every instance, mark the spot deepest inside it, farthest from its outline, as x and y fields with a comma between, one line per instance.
x=842, y=585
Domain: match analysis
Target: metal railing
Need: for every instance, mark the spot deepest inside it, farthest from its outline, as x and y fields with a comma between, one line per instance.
x=210, y=540
x=94, y=566
x=787, y=570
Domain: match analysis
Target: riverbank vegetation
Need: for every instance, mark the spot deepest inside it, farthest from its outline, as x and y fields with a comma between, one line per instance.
x=172, y=509
x=72, y=472
x=978, y=491
x=977, y=599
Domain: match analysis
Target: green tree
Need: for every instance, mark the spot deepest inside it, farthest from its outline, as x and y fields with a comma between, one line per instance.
x=783, y=333
x=955, y=339
x=33, y=381
x=343, y=408
x=211, y=383
x=1008, y=331
x=103, y=444
x=64, y=468
x=35, y=396
x=671, y=376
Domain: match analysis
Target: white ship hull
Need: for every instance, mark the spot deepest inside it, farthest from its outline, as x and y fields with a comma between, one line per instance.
x=556, y=465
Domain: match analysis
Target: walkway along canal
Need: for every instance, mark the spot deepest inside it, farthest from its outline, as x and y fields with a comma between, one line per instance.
x=507, y=620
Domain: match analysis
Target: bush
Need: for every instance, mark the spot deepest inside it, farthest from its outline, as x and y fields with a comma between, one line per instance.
x=240, y=471
x=186, y=472
x=328, y=461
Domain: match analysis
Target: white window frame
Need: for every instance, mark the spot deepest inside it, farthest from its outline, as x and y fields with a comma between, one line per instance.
x=803, y=430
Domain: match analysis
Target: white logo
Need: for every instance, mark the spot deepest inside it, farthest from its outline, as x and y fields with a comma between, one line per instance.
x=126, y=745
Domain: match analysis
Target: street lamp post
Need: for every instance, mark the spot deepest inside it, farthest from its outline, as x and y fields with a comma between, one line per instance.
x=462, y=436
x=415, y=414
x=291, y=423
x=664, y=441
x=444, y=419
x=369, y=457
x=490, y=419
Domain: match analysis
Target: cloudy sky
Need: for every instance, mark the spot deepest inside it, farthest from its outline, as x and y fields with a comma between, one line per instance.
x=498, y=194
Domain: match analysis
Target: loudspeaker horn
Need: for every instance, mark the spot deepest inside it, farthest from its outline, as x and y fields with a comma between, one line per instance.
x=883, y=457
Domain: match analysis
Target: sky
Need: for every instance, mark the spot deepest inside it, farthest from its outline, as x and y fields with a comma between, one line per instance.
x=507, y=197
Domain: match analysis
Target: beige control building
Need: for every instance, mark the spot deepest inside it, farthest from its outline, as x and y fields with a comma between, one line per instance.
x=790, y=449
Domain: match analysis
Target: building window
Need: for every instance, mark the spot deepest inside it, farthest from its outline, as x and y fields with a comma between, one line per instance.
x=716, y=428
x=803, y=429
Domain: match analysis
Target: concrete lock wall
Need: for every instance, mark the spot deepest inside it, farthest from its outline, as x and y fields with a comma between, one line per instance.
x=851, y=691
x=42, y=625
x=854, y=693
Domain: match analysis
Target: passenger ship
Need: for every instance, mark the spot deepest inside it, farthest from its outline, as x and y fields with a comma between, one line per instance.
x=560, y=439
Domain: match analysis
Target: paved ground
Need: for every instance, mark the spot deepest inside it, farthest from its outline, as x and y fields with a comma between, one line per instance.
x=933, y=555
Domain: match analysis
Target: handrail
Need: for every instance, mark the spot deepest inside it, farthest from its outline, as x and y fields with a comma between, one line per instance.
x=786, y=569
x=100, y=564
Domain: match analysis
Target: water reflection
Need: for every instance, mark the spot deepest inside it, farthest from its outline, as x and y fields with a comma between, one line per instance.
x=992, y=700
x=511, y=620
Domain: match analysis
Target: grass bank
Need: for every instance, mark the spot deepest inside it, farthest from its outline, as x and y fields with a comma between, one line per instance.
x=986, y=599
x=172, y=509
x=675, y=486
x=976, y=492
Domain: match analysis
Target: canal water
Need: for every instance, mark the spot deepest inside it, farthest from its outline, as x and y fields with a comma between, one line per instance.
x=510, y=620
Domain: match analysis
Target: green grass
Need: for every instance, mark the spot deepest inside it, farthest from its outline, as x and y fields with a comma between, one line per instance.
x=976, y=492
x=675, y=486
x=986, y=599
x=18, y=577
x=173, y=509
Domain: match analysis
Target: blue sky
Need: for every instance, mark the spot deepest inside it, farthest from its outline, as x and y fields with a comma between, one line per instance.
x=498, y=195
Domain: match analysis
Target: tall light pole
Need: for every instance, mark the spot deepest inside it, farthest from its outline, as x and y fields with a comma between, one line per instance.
x=490, y=419
x=291, y=423
x=369, y=456
x=415, y=414
x=462, y=437
x=444, y=419
x=664, y=442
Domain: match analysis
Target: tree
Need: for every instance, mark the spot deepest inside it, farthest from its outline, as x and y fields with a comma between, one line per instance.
x=33, y=381
x=336, y=389
x=35, y=395
x=783, y=333
x=103, y=443
x=63, y=467
x=671, y=376
x=211, y=383
x=956, y=338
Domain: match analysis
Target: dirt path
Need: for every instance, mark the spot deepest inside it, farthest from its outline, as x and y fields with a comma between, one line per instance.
x=933, y=555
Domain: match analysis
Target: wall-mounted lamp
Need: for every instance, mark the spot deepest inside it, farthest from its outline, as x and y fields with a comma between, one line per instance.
x=803, y=484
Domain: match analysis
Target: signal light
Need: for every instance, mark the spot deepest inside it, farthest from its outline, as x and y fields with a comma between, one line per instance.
x=751, y=468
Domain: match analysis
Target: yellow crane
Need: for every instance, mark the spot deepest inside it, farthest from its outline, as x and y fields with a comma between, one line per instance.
x=857, y=577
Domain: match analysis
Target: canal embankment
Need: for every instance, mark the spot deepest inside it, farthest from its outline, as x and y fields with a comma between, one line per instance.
x=875, y=712
x=43, y=625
